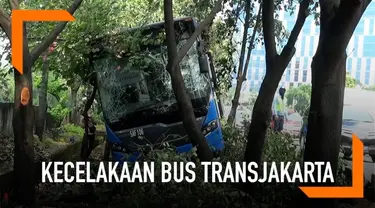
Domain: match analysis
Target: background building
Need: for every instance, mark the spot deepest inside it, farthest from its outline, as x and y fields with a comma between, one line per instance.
x=360, y=62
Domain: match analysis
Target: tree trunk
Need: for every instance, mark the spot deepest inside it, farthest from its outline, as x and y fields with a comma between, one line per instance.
x=216, y=86
x=242, y=78
x=325, y=118
x=183, y=100
x=328, y=84
x=220, y=105
x=23, y=135
x=74, y=118
x=261, y=116
x=275, y=67
x=42, y=110
x=190, y=123
x=23, y=115
x=88, y=140
x=74, y=87
x=232, y=113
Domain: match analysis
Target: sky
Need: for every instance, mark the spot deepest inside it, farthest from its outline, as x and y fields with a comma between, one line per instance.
x=3, y=62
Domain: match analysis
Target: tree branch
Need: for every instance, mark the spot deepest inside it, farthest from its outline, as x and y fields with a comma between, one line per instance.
x=251, y=43
x=53, y=35
x=244, y=38
x=345, y=20
x=14, y=4
x=289, y=50
x=203, y=25
x=269, y=29
x=170, y=34
x=5, y=22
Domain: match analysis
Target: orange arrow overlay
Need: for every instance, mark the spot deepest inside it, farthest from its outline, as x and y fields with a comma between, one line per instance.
x=19, y=17
x=354, y=191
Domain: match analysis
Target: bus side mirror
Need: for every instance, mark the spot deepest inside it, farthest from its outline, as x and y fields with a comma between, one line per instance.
x=203, y=61
x=203, y=64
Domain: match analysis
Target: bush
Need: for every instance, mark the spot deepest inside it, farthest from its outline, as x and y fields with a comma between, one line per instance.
x=67, y=131
x=73, y=129
x=58, y=112
x=278, y=148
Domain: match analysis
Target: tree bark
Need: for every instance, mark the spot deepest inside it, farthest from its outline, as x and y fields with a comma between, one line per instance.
x=42, y=110
x=88, y=140
x=214, y=77
x=338, y=22
x=232, y=113
x=23, y=134
x=74, y=118
x=242, y=72
x=183, y=100
x=23, y=115
x=48, y=40
x=275, y=67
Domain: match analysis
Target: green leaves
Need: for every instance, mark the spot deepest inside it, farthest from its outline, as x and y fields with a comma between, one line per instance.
x=299, y=98
x=350, y=81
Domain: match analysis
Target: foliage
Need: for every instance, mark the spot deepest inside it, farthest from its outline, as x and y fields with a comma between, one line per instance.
x=42, y=150
x=299, y=98
x=369, y=88
x=72, y=130
x=350, y=82
x=278, y=148
x=7, y=88
x=59, y=111
x=222, y=48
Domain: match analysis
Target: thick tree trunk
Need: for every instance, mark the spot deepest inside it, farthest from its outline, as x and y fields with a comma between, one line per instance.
x=325, y=118
x=23, y=110
x=23, y=136
x=42, y=111
x=276, y=65
x=183, y=100
x=261, y=116
x=190, y=123
x=328, y=84
x=232, y=113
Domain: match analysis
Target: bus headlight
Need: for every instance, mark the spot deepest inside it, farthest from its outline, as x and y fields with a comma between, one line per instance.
x=209, y=127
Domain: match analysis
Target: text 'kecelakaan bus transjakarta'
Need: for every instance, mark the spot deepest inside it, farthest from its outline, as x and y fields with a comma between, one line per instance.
x=213, y=172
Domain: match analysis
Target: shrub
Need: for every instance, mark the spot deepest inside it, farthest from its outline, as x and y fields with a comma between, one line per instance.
x=58, y=112
x=67, y=131
x=278, y=148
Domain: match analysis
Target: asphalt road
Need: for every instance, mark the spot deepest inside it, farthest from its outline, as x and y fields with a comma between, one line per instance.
x=369, y=165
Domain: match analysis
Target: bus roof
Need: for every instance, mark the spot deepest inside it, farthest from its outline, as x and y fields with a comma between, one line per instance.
x=152, y=25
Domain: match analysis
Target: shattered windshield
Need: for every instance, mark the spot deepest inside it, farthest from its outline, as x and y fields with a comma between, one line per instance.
x=140, y=81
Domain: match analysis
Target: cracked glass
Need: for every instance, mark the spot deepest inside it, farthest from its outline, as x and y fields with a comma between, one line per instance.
x=140, y=81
